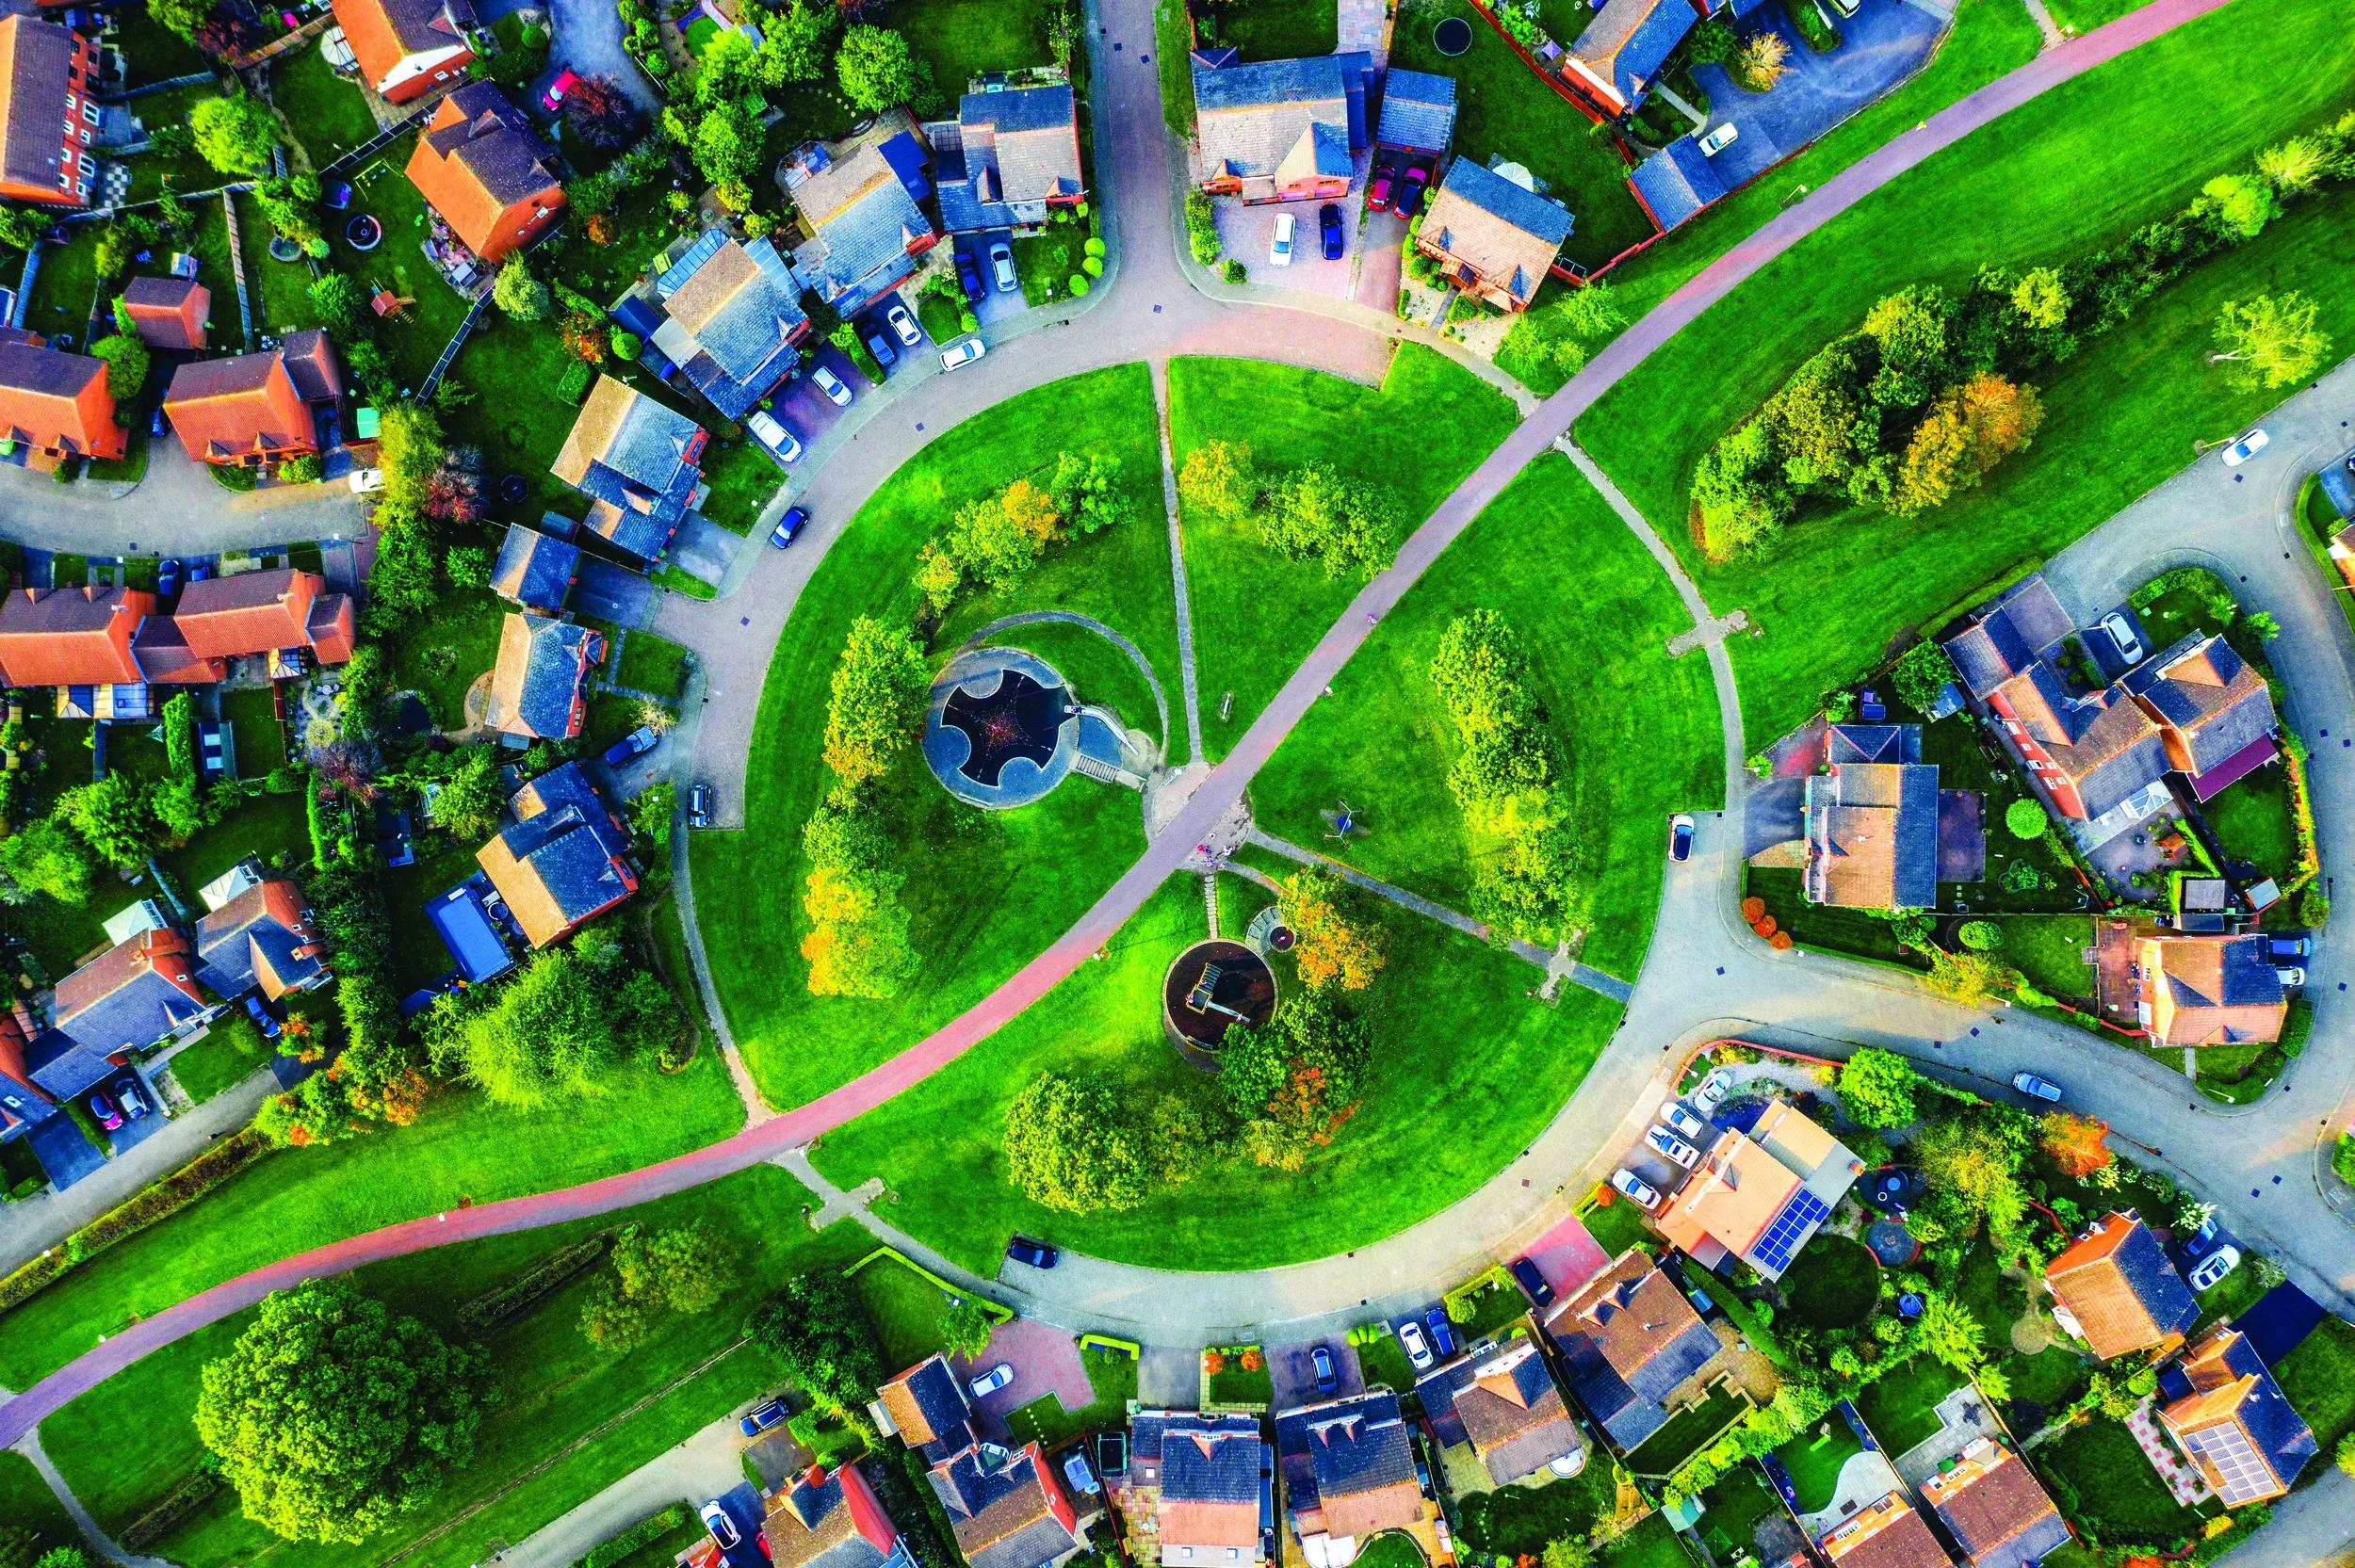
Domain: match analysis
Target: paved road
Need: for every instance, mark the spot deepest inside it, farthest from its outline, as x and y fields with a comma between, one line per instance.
x=176, y=506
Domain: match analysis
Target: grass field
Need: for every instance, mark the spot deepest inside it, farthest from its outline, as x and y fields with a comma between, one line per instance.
x=906, y=1308
x=1279, y=29
x=1043, y=863
x=1638, y=730
x=228, y=1054
x=2100, y=1479
x=2050, y=949
x=26, y=1504
x=1736, y=1504
x=2318, y=1377
x=1466, y=1069
x=1256, y=613
x=1687, y=1432
x=1814, y=1457
x=325, y=112
x=960, y=39
x=2077, y=166
x=1901, y=1406
x=1653, y=1543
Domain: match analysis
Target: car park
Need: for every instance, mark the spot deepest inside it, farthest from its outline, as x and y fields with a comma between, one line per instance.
x=770, y=433
x=1038, y=1255
x=1719, y=139
x=128, y=1095
x=1670, y=1146
x=699, y=806
x=880, y=345
x=1418, y=1349
x=2212, y=1267
x=264, y=1020
x=2247, y=446
x=993, y=1379
x=958, y=355
x=1711, y=1091
x=761, y=1418
x=566, y=79
x=103, y=1107
x=1635, y=1189
x=1321, y=1363
x=1329, y=230
x=2036, y=1087
x=903, y=325
x=1684, y=1122
x=837, y=391
x=1001, y=266
x=720, y=1523
x=1532, y=1280
x=1279, y=248
x=2203, y=1241
x=790, y=526
x=969, y=275
x=1442, y=1332
x=1680, y=838
x=635, y=744
x=2123, y=638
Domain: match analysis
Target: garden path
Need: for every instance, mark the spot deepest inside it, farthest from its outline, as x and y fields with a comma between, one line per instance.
x=29, y=1445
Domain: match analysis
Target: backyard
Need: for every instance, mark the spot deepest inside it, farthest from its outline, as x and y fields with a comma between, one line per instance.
x=2100, y=1477
x=1689, y=1430
x=1733, y=1507
x=1813, y=1459
x=325, y=112
x=1901, y=1405
x=1521, y=1521
x=1834, y=1283
x=1274, y=29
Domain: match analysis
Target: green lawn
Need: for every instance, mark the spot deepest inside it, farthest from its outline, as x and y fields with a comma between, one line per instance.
x=260, y=740
x=2318, y=1378
x=152, y=172
x=2080, y=164
x=274, y=829
x=1638, y=730
x=2050, y=950
x=1466, y=1069
x=325, y=112
x=960, y=39
x=906, y=1310
x=445, y=652
x=650, y=663
x=1618, y=1225
x=2253, y=822
x=225, y=1056
x=1831, y=927
x=1834, y=1283
x=65, y=286
x=1814, y=1457
x=1651, y=1545
x=2083, y=16
x=1112, y=1379
x=1279, y=29
x=1734, y=1505
x=1687, y=1432
x=1901, y=1406
x=2099, y=1477
x=461, y=1152
x=1520, y=1521
x=1043, y=863
x=1392, y=1549
x=552, y=1388
x=1255, y=613
x=742, y=478
x=26, y=1504
x=1234, y=1383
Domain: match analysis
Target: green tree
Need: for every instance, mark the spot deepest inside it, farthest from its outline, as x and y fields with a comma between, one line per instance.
x=1088, y=488
x=127, y=359
x=470, y=799
x=555, y=1031
x=965, y=1328
x=112, y=816
x=1217, y=477
x=2271, y=341
x=290, y=207
x=2025, y=818
x=1970, y=980
x=1314, y=513
x=402, y=584
x=42, y=857
x=1908, y=331
x=184, y=17
x=1949, y=1333
x=875, y=702
x=1921, y=675
x=2295, y=166
x=1741, y=492
x=343, y=304
x=467, y=566
x=1570, y=1551
x=1592, y=312
x=818, y=1333
x=1481, y=673
x=793, y=43
x=1876, y=1088
x=329, y=1415
x=1292, y=1080
x=523, y=297
x=2240, y=205
x=2344, y=1455
x=1980, y=936
x=727, y=142
x=1070, y=1145
x=180, y=811
x=21, y=228
x=875, y=68
x=2041, y=297
x=1974, y=1162
x=655, y=1276
x=857, y=945
x=234, y=133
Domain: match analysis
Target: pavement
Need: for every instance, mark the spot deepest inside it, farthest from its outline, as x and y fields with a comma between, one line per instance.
x=176, y=509
x=704, y=1466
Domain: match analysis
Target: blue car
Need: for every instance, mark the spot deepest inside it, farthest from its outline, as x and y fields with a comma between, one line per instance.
x=635, y=744
x=1442, y=1332
x=761, y=1418
x=261, y=1016
x=790, y=526
x=167, y=577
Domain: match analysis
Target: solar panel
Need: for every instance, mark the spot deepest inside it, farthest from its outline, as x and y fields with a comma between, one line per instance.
x=1799, y=1216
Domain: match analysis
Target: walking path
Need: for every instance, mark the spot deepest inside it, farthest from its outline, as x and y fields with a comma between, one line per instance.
x=1186, y=679
x=29, y=1445
x=1073, y=618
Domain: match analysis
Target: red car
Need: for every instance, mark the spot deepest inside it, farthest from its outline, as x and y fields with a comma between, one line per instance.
x=566, y=79
x=1378, y=194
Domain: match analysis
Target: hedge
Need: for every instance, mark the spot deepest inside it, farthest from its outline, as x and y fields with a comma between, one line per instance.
x=652, y=1527
x=193, y=1491
x=513, y=1297
x=163, y=1200
x=997, y=1313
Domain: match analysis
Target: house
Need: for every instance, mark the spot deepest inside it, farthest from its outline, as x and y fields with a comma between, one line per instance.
x=263, y=937
x=22, y=1102
x=2007, y=635
x=407, y=47
x=535, y=569
x=266, y=612
x=638, y=462
x=255, y=408
x=538, y=685
x=1885, y=1534
x=1872, y=835
x=1349, y=1476
x=2208, y=990
x=2090, y=757
x=1623, y=50
x=1506, y=1408
x=1632, y=1344
x=732, y=315
x=1493, y=237
x=2213, y=710
x=48, y=118
x=93, y=636
x=1418, y=113
x=54, y=405
x=926, y=1407
x=130, y=997
x=1194, y=1489
x=1012, y=154
x=859, y=200
x=2232, y=1420
x=562, y=860
x=2114, y=1289
x=1676, y=182
x=1992, y=1504
x=1281, y=130
x=485, y=167
x=821, y=1520
x=168, y=312
x=1760, y=1196
x=1007, y=1511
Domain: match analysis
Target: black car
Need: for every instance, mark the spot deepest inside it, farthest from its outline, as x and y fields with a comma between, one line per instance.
x=790, y=526
x=1532, y=1280
x=699, y=806
x=1038, y=1255
x=1329, y=230
x=1321, y=1361
x=969, y=275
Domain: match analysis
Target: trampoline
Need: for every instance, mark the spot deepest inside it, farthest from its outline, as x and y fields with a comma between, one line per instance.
x=513, y=488
x=363, y=232
x=1452, y=37
x=1016, y=721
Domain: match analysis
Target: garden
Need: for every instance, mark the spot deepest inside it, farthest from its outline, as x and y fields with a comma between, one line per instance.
x=1521, y=1521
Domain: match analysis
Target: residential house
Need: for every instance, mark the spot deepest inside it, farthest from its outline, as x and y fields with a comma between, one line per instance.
x=54, y=405
x=1194, y=1489
x=1505, y=1406
x=1633, y=1345
x=859, y=200
x=256, y=408
x=1676, y=182
x=1885, y=1534
x=1418, y=113
x=172, y=313
x=2223, y=1409
x=1493, y=237
x=2213, y=710
x=2007, y=635
x=562, y=859
x=1349, y=1476
x=539, y=687
x=1622, y=51
x=1872, y=835
x=1760, y=1196
x=821, y=1520
x=262, y=939
x=638, y=462
x=2099, y=758
x=60, y=1067
x=407, y=47
x=280, y=612
x=104, y=645
x=1993, y=1507
x=2114, y=1289
x=1007, y=1511
x=927, y=1408
x=1281, y=130
x=1011, y=156
x=2208, y=990
x=48, y=118
x=130, y=997
x=485, y=167
x=535, y=569
x=731, y=318
x=22, y=1102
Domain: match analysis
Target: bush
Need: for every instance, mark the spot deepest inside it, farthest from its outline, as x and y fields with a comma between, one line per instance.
x=2343, y=1158
x=1202, y=229
x=510, y=1298
x=303, y=468
x=1235, y=271
x=166, y=1198
x=1980, y=936
x=2026, y=819
x=572, y=385
x=646, y=1531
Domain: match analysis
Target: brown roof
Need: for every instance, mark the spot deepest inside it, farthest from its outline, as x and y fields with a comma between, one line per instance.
x=254, y=612
x=36, y=70
x=384, y=33
x=2089, y=1281
x=1393, y=1507
x=1889, y=1534
x=1731, y=1198
x=1205, y=1523
x=48, y=399
x=1990, y=1497
x=168, y=312
x=70, y=636
x=477, y=159
x=2211, y=990
x=246, y=406
x=1629, y=1313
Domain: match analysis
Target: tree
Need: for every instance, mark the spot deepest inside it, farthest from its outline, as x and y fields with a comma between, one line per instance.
x=2025, y=818
x=1741, y=491
x=728, y=141
x=234, y=133
x=1087, y=488
x=1980, y=936
x=2344, y=1455
x=343, y=304
x=179, y=811
x=1331, y=948
x=1314, y=513
x=290, y=207
x=467, y=566
x=1070, y=1145
x=1970, y=980
x=793, y=43
x=409, y=449
x=1921, y=675
x=2041, y=297
x=602, y=115
x=2293, y=166
x=1217, y=477
x=1876, y=1088
x=1967, y=432
x=470, y=799
x=1293, y=1080
x=965, y=1328
x=1950, y=1334
x=184, y=17
x=818, y=1333
x=127, y=359
x=876, y=699
x=1908, y=330
x=555, y=1031
x=21, y=228
x=2074, y=1143
x=1592, y=312
x=1760, y=61
x=1570, y=1551
x=858, y=943
x=523, y=297
x=875, y=68
x=112, y=815
x=2274, y=340
x=1973, y=1162
x=2239, y=205
x=329, y=1415
x=402, y=584
x=42, y=857
x=656, y=1275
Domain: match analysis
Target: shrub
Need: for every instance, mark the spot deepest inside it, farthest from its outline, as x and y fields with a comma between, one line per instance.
x=303, y=468
x=1235, y=271
x=2343, y=1158
x=1201, y=228
x=1980, y=936
x=647, y=1530
x=2026, y=819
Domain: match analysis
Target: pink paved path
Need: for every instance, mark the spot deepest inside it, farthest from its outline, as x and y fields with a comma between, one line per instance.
x=1222, y=789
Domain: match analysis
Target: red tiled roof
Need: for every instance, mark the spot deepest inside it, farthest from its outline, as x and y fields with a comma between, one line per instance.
x=70, y=636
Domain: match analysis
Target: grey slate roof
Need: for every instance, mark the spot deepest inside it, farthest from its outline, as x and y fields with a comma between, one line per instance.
x=236, y=941
x=1417, y=111
x=632, y=455
x=1629, y=1400
x=2245, y=972
x=739, y=307
x=497, y=142
x=1250, y=119
x=2142, y=1263
x=570, y=844
x=2219, y=723
x=62, y=1067
x=1873, y=743
x=1340, y=1447
x=863, y=219
x=534, y=570
x=933, y=1385
x=1227, y=1472
x=1677, y=181
x=2272, y=1424
x=2008, y=635
x=1028, y=138
x=1628, y=41
x=1148, y=1427
x=552, y=675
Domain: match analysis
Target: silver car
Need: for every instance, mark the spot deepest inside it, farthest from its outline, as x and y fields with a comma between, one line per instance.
x=903, y=325
x=831, y=384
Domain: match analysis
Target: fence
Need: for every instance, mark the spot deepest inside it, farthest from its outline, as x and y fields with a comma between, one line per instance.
x=191, y=79
x=457, y=341
x=377, y=143
x=285, y=42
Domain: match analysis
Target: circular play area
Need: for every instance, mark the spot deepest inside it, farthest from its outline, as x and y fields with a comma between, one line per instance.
x=1452, y=37
x=1210, y=986
x=1001, y=730
x=363, y=232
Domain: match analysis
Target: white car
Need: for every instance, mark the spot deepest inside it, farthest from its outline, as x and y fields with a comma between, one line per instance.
x=2215, y=1266
x=1719, y=139
x=722, y=1525
x=772, y=436
x=2292, y=976
x=1668, y=1144
x=2123, y=638
x=2036, y=1087
x=958, y=355
x=903, y=325
x=1418, y=1349
x=993, y=1379
x=1684, y=1121
x=1712, y=1090
x=2246, y=448
x=1279, y=249
x=831, y=384
x=1635, y=1189
x=365, y=481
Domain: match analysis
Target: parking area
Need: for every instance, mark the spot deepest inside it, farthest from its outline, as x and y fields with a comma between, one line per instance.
x=703, y=549
x=612, y=592
x=1248, y=232
x=1882, y=45
x=122, y=1091
x=1045, y=1362
x=1293, y=1369
x=994, y=304
x=1567, y=1257
x=872, y=323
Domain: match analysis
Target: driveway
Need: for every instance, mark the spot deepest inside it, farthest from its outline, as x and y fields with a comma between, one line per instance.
x=1885, y=42
x=1295, y=1376
x=703, y=549
x=1045, y=1362
x=588, y=39
x=1247, y=231
x=615, y=594
x=1567, y=1257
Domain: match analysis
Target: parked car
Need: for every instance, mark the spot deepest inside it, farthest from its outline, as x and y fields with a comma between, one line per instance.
x=1669, y=1145
x=837, y=391
x=993, y=1379
x=1001, y=266
x=1719, y=139
x=156, y=424
x=566, y=79
x=1532, y=1280
x=1329, y=230
x=1711, y=1092
x=1635, y=1189
x=201, y=571
x=2215, y=1266
x=1680, y=837
x=1321, y=1363
x=2201, y=1242
x=2292, y=976
x=880, y=345
x=903, y=325
x=770, y=433
x=1684, y=1122
x=1442, y=1332
x=167, y=577
x=635, y=744
x=1279, y=248
x=366, y=480
x=262, y=1018
x=721, y=1523
x=127, y=1094
x=1418, y=1349
x=2036, y=1087
x=958, y=355
x=2123, y=638
x=1038, y=1255
x=1378, y=193
x=2290, y=945
x=1411, y=190
x=699, y=806
x=103, y=1107
x=969, y=275
x=762, y=1416
x=2247, y=446
x=790, y=526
